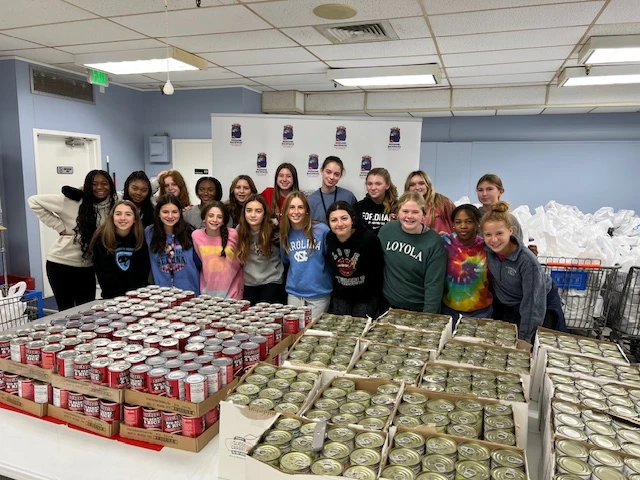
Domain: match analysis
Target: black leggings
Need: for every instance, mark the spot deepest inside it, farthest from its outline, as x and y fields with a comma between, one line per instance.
x=270, y=292
x=72, y=286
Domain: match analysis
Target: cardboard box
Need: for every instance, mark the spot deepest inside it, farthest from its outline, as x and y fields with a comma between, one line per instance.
x=279, y=351
x=483, y=341
x=170, y=440
x=88, y=388
x=91, y=424
x=312, y=328
x=368, y=345
x=37, y=409
x=539, y=359
x=178, y=406
x=387, y=326
x=29, y=371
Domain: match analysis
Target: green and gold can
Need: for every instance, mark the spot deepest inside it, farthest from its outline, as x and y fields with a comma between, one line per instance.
x=507, y=473
x=294, y=397
x=327, y=466
x=304, y=444
x=238, y=399
x=310, y=377
x=398, y=472
x=360, y=396
x=386, y=399
x=466, y=431
x=474, y=452
x=287, y=374
x=503, y=437
x=296, y=463
x=291, y=425
x=336, y=394
x=375, y=424
x=268, y=454
x=342, y=435
x=507, y=458
x=405, y=457
x=279, y=438
x=411, y=440
x=414, y=398
x=337, y=451
x=471, y=470
x=440, y=406
x=356, y=409
x=369, y=440
x=406, y=421
x=262, y=404
x=443, y=446
x=280, y=384
x=571, y=448
x=388, y=389
x=344, y=384
x=431, y=476
x=264, y=370
x=328, y=405
x=256, y=379
x=308, y=428
x=439, y=464
x=316, y=415
x=344, y=419
x=360, y=473
x=439, y=420
x=411, y=410
x=272, y=394
x=574, y=466
x=287, y=407
x=365, y=457
x=248, y=389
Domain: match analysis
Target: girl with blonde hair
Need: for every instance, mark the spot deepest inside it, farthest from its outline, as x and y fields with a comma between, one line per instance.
x=438, y=208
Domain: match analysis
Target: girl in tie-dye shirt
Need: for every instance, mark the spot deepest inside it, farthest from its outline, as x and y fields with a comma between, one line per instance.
x=467, y=280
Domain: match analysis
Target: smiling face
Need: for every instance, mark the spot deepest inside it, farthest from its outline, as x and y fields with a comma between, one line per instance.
x=488, y=194
x=123, y=218
x=296, y=213
x=285, y=180
x=254, y=214
x=100, y=187
x=206, y=191
x=213, y=221
x=169, y=216
x=497, y=236
x=341, y=224
x=138, y=191
x=377, y=188
x=465, y=226
x=410, y=216
x=242, y=190
x=170, y=186
x=331, y=175
x=418, y=184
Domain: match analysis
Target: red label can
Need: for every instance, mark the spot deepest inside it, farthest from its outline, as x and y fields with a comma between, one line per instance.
x=269, y=335
x=192, y=426
x=211, y=417
x=98, y=371
x=171, y=423
x=152, y=341
x=226, y=370
x=104, y=332
x=25, y=388
x=5, y=346
x=61, y=398
x=195, y=388
x=291, y=324
x=49, y=356
x=91, y=406
x=214, y=350
x=277, y=317
x=250, y=354
x=109, y=411
x=118, y=375
x=133, y=415
x=182, y=338
x=138, y=377
x=235, y=355
x=2, y=385
x=10, y=383
x=42, y=392
x=82, y=367
x=18, y=347
x=151, y=419
x=169, y=343
x=173, y=364
x=277, y=332
x=175, y=384
x=75, y=402
x=263, y=345
x=156, y=382
x=212, y=373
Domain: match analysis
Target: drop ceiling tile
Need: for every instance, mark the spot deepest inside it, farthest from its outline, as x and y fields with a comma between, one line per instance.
x=621, y=11
x=217, y=83
x=422, y=46
x=615, y=29
x=566, y=110
x=280, y=69
x=408, y=100
x=298, y=13
x=504, y=69
x=306, y=36
x=607, y=95
x=223, y=42
x=72, y=33
x=20, y=13
x=112, y=46
x=10, y=43
x=306, y=79
x=507, y=56
x=499, y=96
x=232, y=18
x=441, y=113
x=43, y=55
x=521, y=111
x=259, y=57
x=214, y=73
x=474, y=113
x=616, y=109
x=529, y=78
x=545, y=37
x=412, y=27
x=384, y=62
x=112, y=8
x=437, y=7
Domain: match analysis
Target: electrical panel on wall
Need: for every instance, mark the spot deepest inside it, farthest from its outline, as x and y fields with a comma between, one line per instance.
x=159, y=151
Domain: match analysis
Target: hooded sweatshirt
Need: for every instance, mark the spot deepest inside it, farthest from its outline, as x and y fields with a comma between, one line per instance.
x=356, y=265
x=519, y=280
x=414, y=268
x=261, y=269
x=60, y=213
x=220, y=276
x=467, y=280
x=371, y=214
x=126, y=269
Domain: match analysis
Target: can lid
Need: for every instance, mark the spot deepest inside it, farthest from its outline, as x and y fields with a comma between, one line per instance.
x=195, y=378
x=140, y=368
x=176, y=375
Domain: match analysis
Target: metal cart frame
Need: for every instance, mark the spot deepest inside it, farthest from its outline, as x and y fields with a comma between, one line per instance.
x=624, y=314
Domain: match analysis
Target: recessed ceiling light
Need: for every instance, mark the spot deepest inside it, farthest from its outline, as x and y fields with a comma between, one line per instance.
x=616, y=49
x=334, y=11
x=381, y=77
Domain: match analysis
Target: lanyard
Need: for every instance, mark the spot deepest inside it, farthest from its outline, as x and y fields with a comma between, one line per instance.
x=335, y=197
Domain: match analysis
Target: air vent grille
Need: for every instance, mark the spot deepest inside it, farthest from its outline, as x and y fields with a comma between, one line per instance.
x=356, y=33
x=50, y=82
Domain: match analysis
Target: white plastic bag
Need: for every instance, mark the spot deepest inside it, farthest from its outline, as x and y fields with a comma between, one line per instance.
x=12, y=307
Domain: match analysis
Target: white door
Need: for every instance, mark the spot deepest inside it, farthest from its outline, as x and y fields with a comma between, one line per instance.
x=194, y=159
x=62, y=158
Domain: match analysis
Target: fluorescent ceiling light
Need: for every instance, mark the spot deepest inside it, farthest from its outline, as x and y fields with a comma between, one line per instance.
x=610, y=75
x=151, y=60
x=400, y=76
x=616, y=49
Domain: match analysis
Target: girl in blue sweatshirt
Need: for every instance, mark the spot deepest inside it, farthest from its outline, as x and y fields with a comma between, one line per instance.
x=303, y=248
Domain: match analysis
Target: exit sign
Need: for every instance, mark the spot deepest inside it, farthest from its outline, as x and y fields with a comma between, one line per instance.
x=96, y=77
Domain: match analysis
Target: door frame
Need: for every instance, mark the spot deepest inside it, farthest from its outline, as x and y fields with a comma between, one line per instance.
x=182, y=141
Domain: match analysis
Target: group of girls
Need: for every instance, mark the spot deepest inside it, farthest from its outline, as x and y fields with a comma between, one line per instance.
x=328, y=251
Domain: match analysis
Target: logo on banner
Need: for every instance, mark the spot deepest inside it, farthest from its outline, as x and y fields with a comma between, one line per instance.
x=365, y=166
x=341, y=137
x=287, y=136
x=236, y=135
x=312, y=169
x=261, y=164
x=394, y=138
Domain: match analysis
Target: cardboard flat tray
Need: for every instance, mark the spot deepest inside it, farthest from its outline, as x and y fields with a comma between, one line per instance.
x=171, y=440
x=29, y=371
x=91, y=424
x=28, y=406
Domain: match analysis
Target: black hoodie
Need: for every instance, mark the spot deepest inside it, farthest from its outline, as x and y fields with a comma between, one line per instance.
x=356, y=265
x=123, y=271
x=371, y=214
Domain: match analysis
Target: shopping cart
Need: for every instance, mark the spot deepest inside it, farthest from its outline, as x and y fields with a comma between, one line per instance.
x=583, y=287
x=19, y=311
x=624, y=313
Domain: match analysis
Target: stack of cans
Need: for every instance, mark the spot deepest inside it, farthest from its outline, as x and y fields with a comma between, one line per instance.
x=575, y=460
x=387, y=334
x=341, y=325
x=572, y=344
x=491, y=331
x=332, y=353
x=467, y=381
x=33, y=390
x=422, y=321
x=463, y=417
x=397, y=364
x=492, y=358
x=169, y=422
x=629, y=374
x=271, y=388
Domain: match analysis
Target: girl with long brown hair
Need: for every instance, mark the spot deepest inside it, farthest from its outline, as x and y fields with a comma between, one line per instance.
x=285, y=182
x=438, y=208
x=241, y=187
x=379, y=206
x=119, y=251
x=259, y=252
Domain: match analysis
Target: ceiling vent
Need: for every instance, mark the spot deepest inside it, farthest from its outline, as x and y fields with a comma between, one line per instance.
x=358, y=32
x=60, y=84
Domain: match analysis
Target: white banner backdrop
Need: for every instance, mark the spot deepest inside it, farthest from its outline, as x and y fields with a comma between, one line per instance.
x=255, y=145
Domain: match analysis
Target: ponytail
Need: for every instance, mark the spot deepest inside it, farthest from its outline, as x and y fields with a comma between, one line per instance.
x=498, y=212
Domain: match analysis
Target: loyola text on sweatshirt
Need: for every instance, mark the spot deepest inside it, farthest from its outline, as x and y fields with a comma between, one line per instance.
x=220, y=276
x=261, y=269
x=414, y=268
x=371, y=214
x=309, y=275
x=319, y=209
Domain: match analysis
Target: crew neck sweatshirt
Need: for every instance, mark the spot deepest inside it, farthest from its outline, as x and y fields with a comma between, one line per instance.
x=220, y=276
x=193, y=217
x=414, y=268
x=262, y=269
x=125, y=269
x=371, y=214
x=319, y=210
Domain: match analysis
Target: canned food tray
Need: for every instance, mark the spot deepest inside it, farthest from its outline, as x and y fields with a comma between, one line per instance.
x=445, y=334
x=91, y=424
x=481, y=340
x=169, y=439
x=29, y=371
x=329, y=372
x=367, y=345
x=24, y=405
